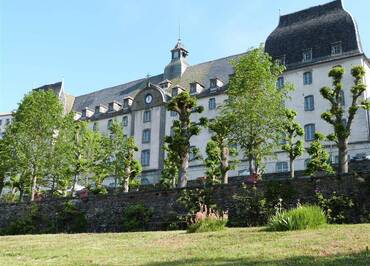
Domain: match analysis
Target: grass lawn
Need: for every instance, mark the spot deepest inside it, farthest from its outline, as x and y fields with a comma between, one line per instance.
x=331, y=245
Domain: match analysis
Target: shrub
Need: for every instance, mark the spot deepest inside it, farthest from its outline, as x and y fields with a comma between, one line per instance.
x=136, y=217
x=303, y=217
x=338, y=208
x=207, y=220
x=250, y=208
x=70, y=219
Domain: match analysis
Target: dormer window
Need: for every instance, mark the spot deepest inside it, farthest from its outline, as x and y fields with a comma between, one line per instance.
x=97, y=109
x=213, y=83
x=100, y=109
x=127, y=102
x=113, y=106
x=175, y=92
x=336, y=48
x=165, y=84
x=195, y=87
x=307, y=55
x=86, y=113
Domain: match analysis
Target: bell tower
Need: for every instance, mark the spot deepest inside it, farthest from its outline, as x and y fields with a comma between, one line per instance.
x=178, y=63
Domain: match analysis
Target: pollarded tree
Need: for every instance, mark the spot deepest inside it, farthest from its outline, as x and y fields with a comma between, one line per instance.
x=218, y=150
x=170, y=172
x=292, y=132
x=256, y=106
x=31, y=136
x=184, y=105
x=340, y=118
x=319, y=157
x=122, y=161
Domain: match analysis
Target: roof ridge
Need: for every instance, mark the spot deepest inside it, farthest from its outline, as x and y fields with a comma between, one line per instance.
x=218, y=59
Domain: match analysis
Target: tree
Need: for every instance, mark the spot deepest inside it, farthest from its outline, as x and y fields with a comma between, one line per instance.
x=218, y=150
x=319, y=157
x=122, y=150
x=31, y=135
x=255, y=106
x=184, y=105
x=291, y=131
x=170, y=172
x=337, y=116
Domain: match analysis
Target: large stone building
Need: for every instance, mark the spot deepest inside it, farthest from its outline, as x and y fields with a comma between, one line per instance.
x=309, y=42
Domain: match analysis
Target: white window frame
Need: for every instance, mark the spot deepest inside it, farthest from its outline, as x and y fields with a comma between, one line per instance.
x=309, y=135
x=307, y=78
x=309, y=103
x=147, y=116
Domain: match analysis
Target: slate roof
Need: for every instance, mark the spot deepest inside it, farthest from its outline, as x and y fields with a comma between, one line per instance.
x=315, y=28
x=201, y=73
x=55, y=87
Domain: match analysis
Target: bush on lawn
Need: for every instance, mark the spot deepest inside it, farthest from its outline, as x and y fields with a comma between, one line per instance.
x=136, y=217
x=250, y=208
x=338, y=208
x=207, y=220
x=303, y=217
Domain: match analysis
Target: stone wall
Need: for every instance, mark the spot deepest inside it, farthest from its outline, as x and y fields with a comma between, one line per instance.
x=104, y=213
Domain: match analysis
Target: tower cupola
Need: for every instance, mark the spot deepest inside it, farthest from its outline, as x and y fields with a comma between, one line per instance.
x=178, y=63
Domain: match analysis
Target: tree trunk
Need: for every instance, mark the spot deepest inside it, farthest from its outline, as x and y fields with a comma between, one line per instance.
x=225, y=164
x=183, y=170
x=33, y=190
x=74, y=184
x=251, y=169
x=343, y=157
x=292, y=171
x=126, y=181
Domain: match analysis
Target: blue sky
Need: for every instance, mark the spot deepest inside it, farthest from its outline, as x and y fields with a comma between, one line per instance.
x=95, y=44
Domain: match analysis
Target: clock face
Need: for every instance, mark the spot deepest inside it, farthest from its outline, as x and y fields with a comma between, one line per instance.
x=148, y=98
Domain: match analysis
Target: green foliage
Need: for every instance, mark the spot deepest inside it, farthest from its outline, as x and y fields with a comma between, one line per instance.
x=136, y=217
x=293, y=144
x=170, y=172
x=183, y=129
x=338, y=208
x=255, y=107
x=70, y=219
x=207, y=225
x=121, y=161
x=218, y=151
x=303, y=217
x=280, y=193
x=338, y=116
x=191, y=199
x=319, y=157
x=250, y=208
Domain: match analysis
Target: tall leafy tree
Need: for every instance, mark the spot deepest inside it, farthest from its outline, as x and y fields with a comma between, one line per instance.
x=319, y=157
x=292, y=132
x=32, y=134
x=170, y=172
x=340, y=118
x=124, y=166
x=184, y=128
x=256, y=106
x=218, y=150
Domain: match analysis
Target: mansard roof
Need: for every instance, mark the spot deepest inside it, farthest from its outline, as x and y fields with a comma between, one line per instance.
x=201, y=73
x=315, y=28
x=55, y=87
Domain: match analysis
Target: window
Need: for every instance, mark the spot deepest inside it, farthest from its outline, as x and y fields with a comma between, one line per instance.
x=193, y=88
x=213, y=83
x=192, y=155
x=1, y=122
x=173, y=113
x=110, y=107
x=306, y=163
x=309, y=131
x=125, y=121
x=146, y=136
x=97, y=109
x=145, y=157
x=7, y=121
x=175, y=54
x=307, y=78
x=280, y=82
x=309, y=104
x=341, y=98
x=282, y=167
x=336, y=48
x=95, y=126
x=125, y=103
x=110, y=121
x=147, y=116
x=175, y=92
x=212, y=103
x=307, y=55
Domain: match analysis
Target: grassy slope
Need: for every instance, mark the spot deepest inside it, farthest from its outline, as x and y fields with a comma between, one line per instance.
x=332, y=245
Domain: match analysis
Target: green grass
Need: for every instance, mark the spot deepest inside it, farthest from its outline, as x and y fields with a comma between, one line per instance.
x=305, y=217
x=330, y=245
x=207, y=225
